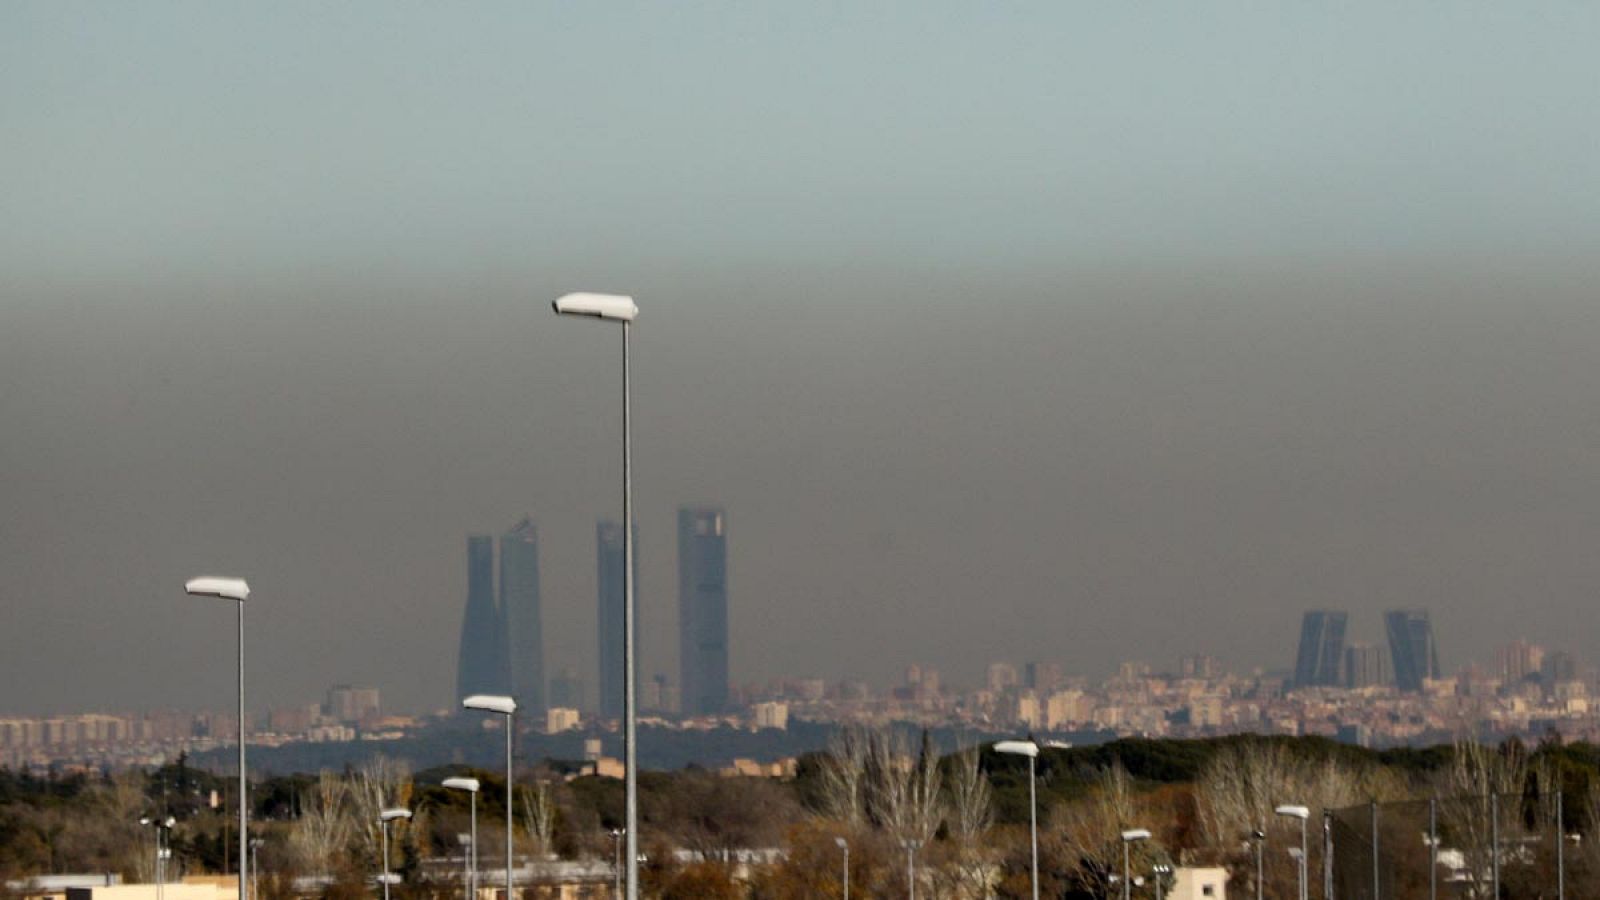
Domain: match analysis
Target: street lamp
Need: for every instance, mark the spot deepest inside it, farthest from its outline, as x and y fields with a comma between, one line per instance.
x=1130, y=837
x=1161, y=871
x=616, y=864
x=1031, y=751
x=1258, y=837
x=237, y=590
x=1302, y=813
x=470, y=785
x=504, y=706
x=845, y=846
x=385, y=817
x=911, y=845
x=163, y=837
x=255, y=866
x=615, y=308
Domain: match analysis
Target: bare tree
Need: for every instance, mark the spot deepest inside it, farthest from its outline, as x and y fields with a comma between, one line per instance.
x=379, y=783
x=538, y=816
x=1089, y=831
x=843, y=794
x=969, y=818
x=322, y=833
x=1478, y=773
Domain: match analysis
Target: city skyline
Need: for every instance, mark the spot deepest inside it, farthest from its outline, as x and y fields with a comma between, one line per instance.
x=1045, y=332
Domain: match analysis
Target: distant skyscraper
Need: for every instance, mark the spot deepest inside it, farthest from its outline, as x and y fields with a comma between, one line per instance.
x=703, y=609
x=1411, y=645
x=519, y=607
x=608, y=544
x=481, y=660
x=1042, y=676
x=1321, y=656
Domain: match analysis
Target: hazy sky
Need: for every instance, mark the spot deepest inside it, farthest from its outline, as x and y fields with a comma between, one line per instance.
x=1081, y=332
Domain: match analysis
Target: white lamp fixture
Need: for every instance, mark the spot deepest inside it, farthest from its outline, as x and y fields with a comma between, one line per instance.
x=237, y=590
x=470, y=785
x=1031, y=751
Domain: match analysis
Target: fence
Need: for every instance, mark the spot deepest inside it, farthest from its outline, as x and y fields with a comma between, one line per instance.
x=1507, y=847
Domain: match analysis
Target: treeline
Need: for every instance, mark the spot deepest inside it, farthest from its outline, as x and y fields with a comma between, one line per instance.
x=957, y=820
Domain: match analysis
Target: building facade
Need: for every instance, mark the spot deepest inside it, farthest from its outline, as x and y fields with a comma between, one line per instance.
x=1411, y=645
x=703, y=610
x=608, y=578
x=1321, y=657
x=481, y=659
x=523, y=618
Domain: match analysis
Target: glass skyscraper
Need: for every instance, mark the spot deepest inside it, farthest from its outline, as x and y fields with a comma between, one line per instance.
x=608, y=556
x=703, y=610
x=482, y=658
x=1411, y=645
x=519, y=606
x=1321, y=657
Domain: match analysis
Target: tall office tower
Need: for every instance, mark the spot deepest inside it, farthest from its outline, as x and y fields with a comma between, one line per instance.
x=1321, y=655
x=1042, y=676
x=1411, y=645
x=608, y=544
x=703, y=610
x=1365, y=666
x=481, y=661
x=519, y=607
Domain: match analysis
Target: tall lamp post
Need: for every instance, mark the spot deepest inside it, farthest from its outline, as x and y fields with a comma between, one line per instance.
x=1160, y=872
x=1031, y=751
x=845, y=846
x=1129, y=838
x=255, y=866
x=384, y=818
x=615, y=308
x=504, y=706
x=237, y=590
x=470, y=785
x=1258, y=837
x=616, y=863
x=1302, y=813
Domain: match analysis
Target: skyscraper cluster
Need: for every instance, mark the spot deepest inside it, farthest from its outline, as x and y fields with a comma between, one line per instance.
x=1324, y=660
x=502, y=637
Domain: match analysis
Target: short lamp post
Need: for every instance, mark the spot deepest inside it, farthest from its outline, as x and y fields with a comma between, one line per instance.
x=502, y=706
x=911, y=846
x=1302, y=813
x=1031, y=751
x=1130, y=837
x=845, y=874
x=1160, y=873
x=470, y=785
x=237, y=590
x=1258, y=837
x=255, y=867
x=384, y=818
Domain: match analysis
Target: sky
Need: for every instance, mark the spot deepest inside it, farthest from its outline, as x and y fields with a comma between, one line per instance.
x=1063, y=331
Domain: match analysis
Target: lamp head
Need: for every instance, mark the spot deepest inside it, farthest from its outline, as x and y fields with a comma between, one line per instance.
x=494, y=703
x=1293, y=812
x=597, y=306
x=461, y=784
x=1018, y=748
x=842, y=843
x=1136, y=834
x=215, y=586
x=389, y=815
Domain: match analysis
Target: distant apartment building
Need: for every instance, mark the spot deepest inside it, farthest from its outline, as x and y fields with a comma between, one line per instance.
x=1000, y=676
x=1412, y=647
x=770, y=715
x=1365, y=665
x=1041, y=676
x=1519, y=661
x=352, y=705
x=703, y=610
x=1198, y=666
x=561, y=718
x=1321, y=654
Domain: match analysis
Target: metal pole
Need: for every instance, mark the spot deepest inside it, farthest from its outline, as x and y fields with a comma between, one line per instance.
x=616, y=864
x=255, y=869
x=1494, y=841
x=1259, y=842
x=911, y=870
x=629, y=709
x=1433, y=848
x=385, y=875
x=1327, y=854
x=1157, y=876
x=1561, y=857
x=510, y=807
x=1305, y=893
x=1377, y=887
x=846, y=849
x=472, y=854
x=1127, y=879
x=244, y=794
x=1033, y=823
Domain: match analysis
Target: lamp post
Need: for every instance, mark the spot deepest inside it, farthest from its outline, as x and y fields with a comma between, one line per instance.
x=470, y=785
x=1031, y=751
x=616, y=863
x=504, y=706
x=614, y=308
x=255, y=866
x=1258, y=837
x=1160, y=872
x=237, y=590
x=1129, y=838
x=845, y=846
x=163, y=832
x=911, y=846
x=1302, y=813
x=384, y=818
